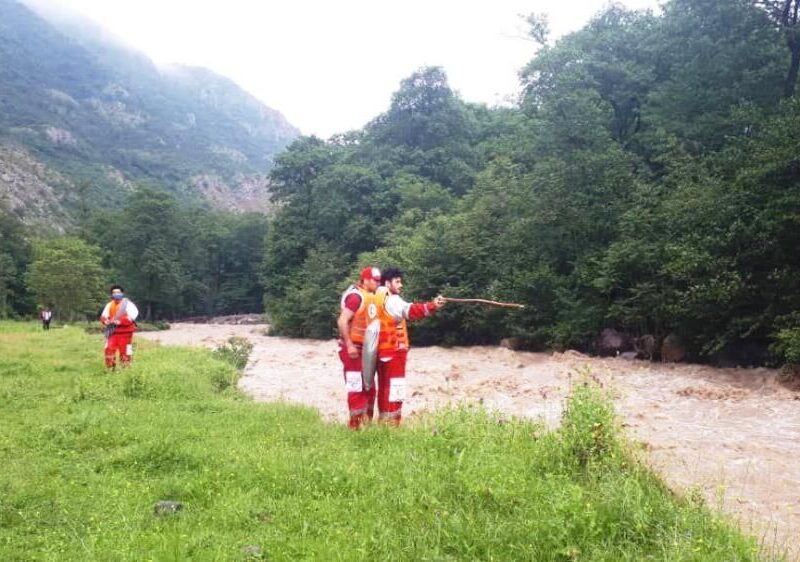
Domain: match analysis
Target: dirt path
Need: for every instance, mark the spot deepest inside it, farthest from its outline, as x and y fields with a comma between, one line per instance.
x=732, y=433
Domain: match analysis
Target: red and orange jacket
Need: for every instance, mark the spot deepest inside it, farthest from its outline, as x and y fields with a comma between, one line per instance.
x=126, y=322
x=395, y=312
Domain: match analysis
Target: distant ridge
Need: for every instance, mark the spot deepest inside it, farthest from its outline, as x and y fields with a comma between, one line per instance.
x=83, y=118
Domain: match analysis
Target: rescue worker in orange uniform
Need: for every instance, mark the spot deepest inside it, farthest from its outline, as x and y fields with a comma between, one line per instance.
x=119, y=323
x=394, y=342
x=356, y=305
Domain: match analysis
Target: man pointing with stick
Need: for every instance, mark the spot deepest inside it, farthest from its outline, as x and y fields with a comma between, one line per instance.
x=362, y=306
x=394, y=342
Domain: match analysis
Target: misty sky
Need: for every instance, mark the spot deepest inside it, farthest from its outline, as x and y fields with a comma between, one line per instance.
x=331, y=66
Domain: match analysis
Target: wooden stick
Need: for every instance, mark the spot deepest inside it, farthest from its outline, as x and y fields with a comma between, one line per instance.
x=484, y=301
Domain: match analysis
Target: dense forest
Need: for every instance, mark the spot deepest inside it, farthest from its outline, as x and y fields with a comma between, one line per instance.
x=175, y=261
x=647, y=180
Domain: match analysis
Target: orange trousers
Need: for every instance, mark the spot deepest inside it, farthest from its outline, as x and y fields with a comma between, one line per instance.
x=389, y=389
x=118, y=343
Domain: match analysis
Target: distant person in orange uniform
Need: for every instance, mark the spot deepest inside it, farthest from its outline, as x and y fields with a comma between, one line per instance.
x=119, y=323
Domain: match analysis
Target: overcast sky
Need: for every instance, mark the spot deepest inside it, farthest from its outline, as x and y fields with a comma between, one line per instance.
x=331, y=65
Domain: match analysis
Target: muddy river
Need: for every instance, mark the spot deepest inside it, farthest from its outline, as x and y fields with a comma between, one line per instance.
x=734, y=434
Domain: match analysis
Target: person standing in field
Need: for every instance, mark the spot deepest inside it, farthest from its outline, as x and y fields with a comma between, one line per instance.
x=356, y=310
x=46, y=315
x=119, y=323
x=394, y=345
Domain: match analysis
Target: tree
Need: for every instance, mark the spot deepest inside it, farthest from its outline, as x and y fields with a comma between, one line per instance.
x=712, y=57
x=8, y=276
x=538, y=28
x=611, y=57
x=648, y=181
x=678, y=74
x=307, y=308
x=427, y=130
x=14, y=256
x=424, y=112
x=324, y=199
x=145, y=243
x=240, y=288
x=222, y=262
x=785, y=14
x=68, y=274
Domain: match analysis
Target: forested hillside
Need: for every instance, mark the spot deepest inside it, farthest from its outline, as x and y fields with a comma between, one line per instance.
x=84, y=118
x=647, y=181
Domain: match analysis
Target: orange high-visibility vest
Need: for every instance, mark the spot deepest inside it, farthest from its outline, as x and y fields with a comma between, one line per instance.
x=361, y=318
x=387, y=343
x=398, y=329
x=401, y=335
x=113, y=307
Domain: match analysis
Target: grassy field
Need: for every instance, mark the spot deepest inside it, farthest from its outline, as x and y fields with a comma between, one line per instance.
x=87, y=454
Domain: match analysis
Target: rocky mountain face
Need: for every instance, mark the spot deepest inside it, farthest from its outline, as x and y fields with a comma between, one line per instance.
x=84, y=118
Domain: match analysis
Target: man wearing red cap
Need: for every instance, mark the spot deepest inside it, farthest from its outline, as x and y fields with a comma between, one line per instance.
x=354, y=316
x=394, y=313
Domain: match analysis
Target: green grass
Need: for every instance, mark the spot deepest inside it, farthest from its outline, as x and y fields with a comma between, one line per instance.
x=87, y=454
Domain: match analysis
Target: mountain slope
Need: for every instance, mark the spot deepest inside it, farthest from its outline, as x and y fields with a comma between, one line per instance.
x=94, y=111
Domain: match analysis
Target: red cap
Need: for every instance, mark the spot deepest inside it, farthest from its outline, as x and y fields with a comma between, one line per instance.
x=371, y=273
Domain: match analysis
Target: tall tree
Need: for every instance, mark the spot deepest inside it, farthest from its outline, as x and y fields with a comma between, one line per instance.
x=786, y=15
x=8, y=276
x=429, y=130
x=713, y=57
x=612, y=57
x=14, y=256
x=67, y=274
x=144, y=242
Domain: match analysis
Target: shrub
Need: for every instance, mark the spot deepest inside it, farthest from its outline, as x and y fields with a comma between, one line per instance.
x=590, y=427
x=134, y=385
x=236, y=351
x=223, y=379
x=787, y=345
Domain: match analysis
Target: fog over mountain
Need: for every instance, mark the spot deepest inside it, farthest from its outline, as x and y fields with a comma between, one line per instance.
x=83, y=118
